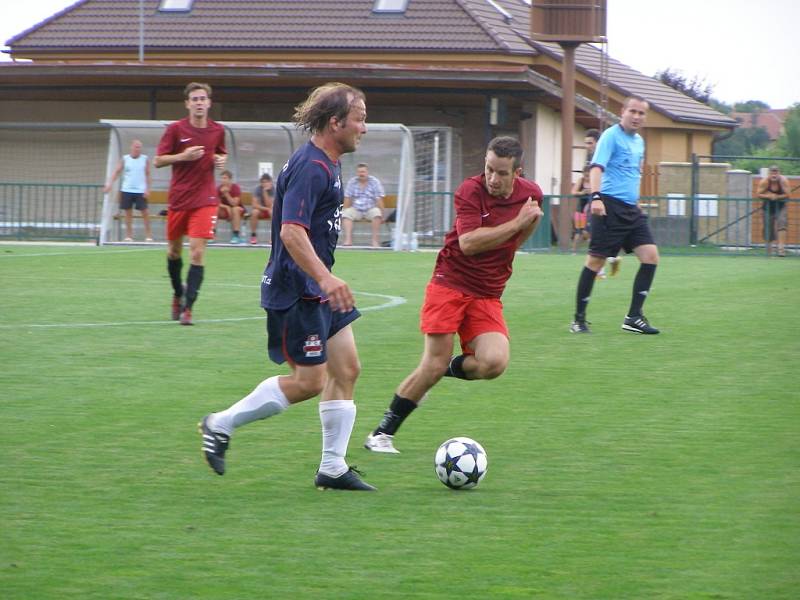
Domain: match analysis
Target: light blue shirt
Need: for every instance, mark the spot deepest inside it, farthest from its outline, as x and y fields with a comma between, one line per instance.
x=621, y=155
x=134, y=180
x=366, y=197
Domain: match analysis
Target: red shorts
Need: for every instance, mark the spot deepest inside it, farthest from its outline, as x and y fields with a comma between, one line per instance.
x=225, y=211
x=196, y=223
x=446, y=310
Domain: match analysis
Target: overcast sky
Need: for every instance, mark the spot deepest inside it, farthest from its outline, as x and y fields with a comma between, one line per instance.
x=746, y=49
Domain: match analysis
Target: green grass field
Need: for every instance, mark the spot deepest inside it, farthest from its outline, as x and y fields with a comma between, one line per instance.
x=620, y=466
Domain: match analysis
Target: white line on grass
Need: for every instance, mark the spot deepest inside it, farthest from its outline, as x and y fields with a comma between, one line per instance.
x=391, y=302
x=86, y=253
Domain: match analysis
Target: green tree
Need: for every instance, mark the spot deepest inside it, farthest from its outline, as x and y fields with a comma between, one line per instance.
x=696, y=88
x=789, y=141
x=720, y=106
x=745, y=141
x=750, y=106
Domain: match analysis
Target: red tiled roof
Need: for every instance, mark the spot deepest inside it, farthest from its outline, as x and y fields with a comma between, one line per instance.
x=771, y=120
x=432, y=25
x=499, y=27
x=662, y=98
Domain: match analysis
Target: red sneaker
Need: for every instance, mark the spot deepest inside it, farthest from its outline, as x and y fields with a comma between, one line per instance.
x=176, y=308
x=186, y=317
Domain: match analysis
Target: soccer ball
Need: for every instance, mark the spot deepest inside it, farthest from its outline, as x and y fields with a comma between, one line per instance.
x=460, y=463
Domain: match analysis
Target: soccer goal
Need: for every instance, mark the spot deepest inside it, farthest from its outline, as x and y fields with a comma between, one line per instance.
x=417, y=182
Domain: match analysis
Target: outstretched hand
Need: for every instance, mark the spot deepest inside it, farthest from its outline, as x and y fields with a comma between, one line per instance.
x=529, y=213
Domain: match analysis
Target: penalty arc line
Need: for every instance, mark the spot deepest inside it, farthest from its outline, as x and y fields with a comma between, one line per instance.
x=392, y=301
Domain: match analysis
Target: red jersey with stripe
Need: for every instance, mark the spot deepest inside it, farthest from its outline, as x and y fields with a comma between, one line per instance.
x=482, y=275
x=192, y=184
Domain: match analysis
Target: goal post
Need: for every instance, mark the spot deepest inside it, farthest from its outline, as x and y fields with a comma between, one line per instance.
x=416, y=165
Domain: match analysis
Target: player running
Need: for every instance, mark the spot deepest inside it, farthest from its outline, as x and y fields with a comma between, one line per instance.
x=309, y=310
x=495, y=213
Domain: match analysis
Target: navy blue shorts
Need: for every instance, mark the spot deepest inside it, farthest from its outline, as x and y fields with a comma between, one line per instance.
x=130, y=200
x=624, y=226
x=300, y=333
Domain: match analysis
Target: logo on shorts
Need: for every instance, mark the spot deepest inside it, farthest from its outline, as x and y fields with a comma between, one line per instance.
x=312, y=346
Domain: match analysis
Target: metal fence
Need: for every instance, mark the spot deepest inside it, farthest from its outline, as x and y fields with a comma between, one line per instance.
x=680, y=225
x=30, y=211
x=709, y=224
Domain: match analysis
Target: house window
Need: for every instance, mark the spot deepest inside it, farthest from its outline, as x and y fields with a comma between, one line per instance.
x=175, y=5
x=390, y=6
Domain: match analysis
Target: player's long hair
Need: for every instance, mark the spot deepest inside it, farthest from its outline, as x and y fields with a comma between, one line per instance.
x=324, y=102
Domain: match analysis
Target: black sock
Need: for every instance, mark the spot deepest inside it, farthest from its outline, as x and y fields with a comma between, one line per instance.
x=193, y=280
x=174, y=268
x=456, y=367
x=399, y=409
x=236, y=232
x=641, y=287
x=585, y=284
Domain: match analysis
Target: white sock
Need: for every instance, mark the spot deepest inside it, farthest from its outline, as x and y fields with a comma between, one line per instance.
x=337, y=417
x=264, y=401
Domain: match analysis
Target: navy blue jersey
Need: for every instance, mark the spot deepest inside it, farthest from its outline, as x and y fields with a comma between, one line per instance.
x=308, y=193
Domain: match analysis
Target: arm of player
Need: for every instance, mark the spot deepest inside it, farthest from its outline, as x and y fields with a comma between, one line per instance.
x=528, y=231
x=191, y=153
x=595, y=182
x=488, y=238
x=295, y=239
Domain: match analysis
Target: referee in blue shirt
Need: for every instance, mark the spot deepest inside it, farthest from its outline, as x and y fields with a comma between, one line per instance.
x=616, y=220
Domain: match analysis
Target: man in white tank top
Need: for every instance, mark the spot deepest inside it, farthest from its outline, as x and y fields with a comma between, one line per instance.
x=134, y=189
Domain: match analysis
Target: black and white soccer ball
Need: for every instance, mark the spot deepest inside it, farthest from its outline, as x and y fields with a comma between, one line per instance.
x=460, y=463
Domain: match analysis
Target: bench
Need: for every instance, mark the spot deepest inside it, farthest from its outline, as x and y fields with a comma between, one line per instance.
x=157, y=206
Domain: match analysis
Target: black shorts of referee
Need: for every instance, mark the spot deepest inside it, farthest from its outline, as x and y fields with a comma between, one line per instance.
x=624, y=226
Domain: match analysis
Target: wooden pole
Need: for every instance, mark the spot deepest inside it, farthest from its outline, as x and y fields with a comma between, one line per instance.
x=567, y=205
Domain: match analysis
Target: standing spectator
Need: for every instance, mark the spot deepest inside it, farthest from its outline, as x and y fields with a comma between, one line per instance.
x=581, y=224
x=134, y=189
x=230, y=204
x=263, y=198
x=590, y=143
x=309, y=309
x=363, y=201
x=616, y=220
x=580, y=188
x=193, y=146
x=495, y=213
x=774, y=191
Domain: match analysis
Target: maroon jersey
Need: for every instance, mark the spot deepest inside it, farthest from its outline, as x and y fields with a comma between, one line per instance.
x=235, y=191
x=482, y=275
x=192, y=185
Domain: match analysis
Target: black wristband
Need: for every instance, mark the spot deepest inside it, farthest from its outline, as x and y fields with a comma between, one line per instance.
x=596, y=196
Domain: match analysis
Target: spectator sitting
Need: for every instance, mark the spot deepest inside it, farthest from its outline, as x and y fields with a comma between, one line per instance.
x=262, y=204
x=230, y=204
x=363, y=201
